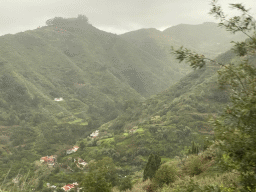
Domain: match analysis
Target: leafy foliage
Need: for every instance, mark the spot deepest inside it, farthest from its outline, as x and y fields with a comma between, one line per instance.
x=125, y=183
x=166, y=174
x=101, y=176
x=95, y=181
x=234, y=128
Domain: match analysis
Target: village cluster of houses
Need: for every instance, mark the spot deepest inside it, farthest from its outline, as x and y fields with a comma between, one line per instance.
x=49, y=160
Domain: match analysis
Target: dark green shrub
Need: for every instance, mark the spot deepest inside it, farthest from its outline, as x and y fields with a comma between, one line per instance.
x=193, y=165
x=125, y=183
x=166, y=174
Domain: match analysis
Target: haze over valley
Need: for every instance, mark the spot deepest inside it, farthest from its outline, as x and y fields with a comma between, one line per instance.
x=109, y=107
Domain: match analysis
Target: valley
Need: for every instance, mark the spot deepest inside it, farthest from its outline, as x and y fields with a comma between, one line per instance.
x=76, y=101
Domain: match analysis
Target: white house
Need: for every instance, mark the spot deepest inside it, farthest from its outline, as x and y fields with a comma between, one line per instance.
x=49, y=186
x=74, y=149
x=82, y=162
x=58, y=99
x=95, y=133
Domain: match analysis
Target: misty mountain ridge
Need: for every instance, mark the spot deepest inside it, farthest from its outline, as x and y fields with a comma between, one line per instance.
x=206, y=38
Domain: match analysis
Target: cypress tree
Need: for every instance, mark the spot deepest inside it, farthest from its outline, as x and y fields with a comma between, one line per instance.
x=158, y=161
x=153, y=164
x=194, y=149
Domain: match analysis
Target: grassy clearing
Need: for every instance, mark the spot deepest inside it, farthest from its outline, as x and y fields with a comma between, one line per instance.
x=140, y=130
x=78, y=121
x=166, y=159
x=108, y=140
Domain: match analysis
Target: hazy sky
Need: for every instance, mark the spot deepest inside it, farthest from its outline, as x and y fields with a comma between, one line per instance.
x=115, y=16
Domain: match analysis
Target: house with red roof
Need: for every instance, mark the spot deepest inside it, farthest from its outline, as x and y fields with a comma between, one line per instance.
x=49, y=160
x=82, y=162
x=68, y=187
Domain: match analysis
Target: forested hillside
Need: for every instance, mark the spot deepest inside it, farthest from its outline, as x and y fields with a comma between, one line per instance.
x=79, y=105
x=89, y=68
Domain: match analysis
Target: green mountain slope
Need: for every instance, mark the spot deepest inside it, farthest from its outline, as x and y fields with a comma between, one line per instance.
x=94, y=71
x=168, y=122
x=158, y=45
x=46, y=72
x=206, y=38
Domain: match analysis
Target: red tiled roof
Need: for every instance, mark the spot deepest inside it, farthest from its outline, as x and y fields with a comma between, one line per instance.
x=44, y=158
x=48, y=159
x=68, y=187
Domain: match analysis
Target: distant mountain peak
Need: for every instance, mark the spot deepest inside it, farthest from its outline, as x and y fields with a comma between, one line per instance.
x=143, y=30
x=209, y=23
x=186, y=25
